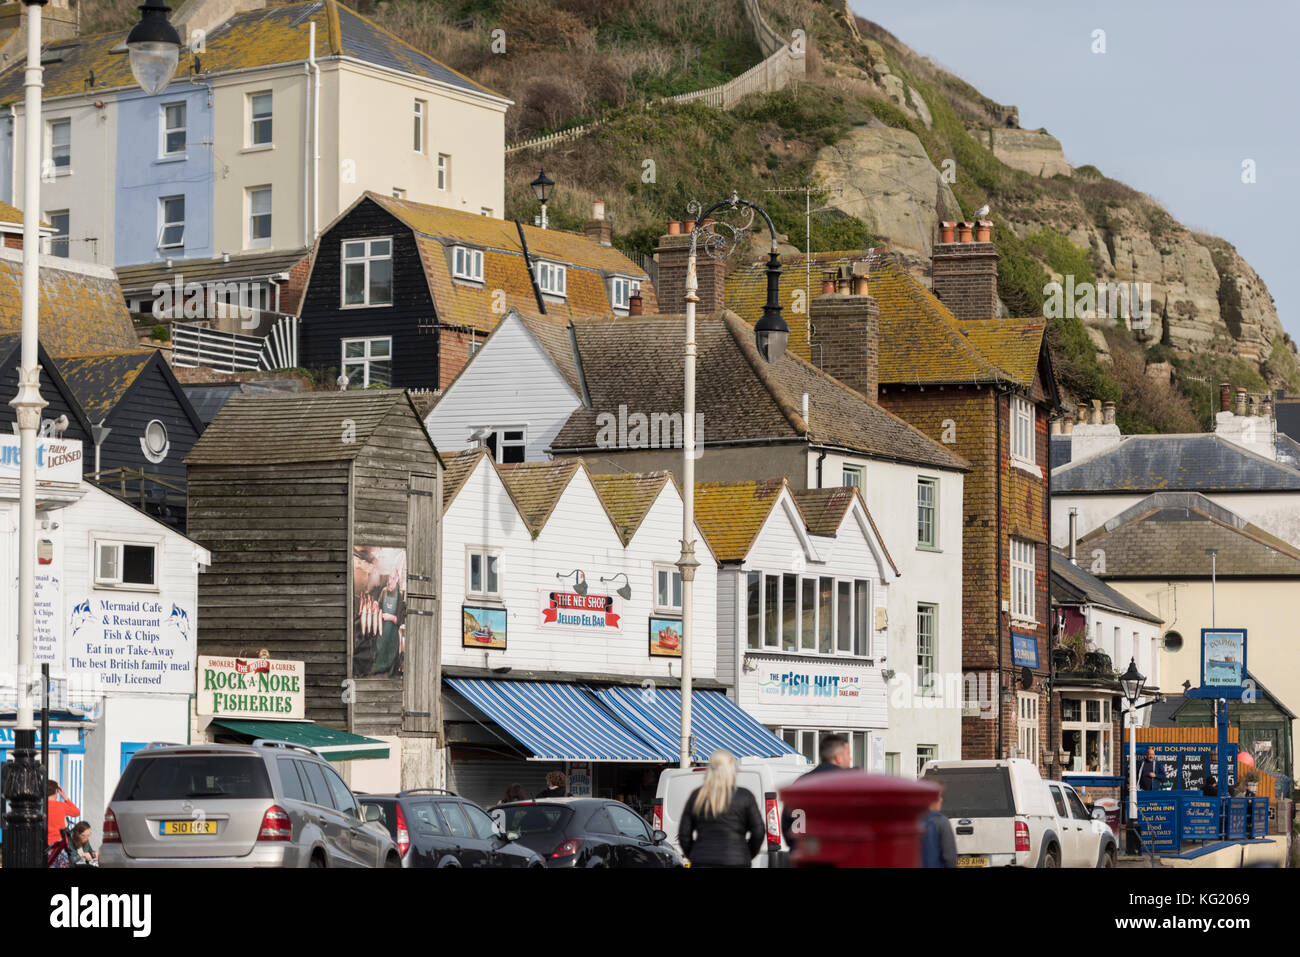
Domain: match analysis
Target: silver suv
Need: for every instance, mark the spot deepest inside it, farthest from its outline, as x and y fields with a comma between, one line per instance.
x=268, y=804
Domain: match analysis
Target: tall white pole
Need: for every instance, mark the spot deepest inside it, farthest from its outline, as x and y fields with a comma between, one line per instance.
x=687, y=564
x=1132, y=767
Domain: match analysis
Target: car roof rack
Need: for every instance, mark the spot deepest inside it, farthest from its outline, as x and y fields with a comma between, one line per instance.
x=288, y=745
x=427, y=791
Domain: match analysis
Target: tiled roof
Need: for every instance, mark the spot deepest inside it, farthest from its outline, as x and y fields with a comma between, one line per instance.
x=1071, y=585
x=141, y=278
x=13, y=216
x=100, y=381
x=1288, y=450
x=258, y=38
x=731, y=514
x=628, y=498
x=556, y=339
x=1060, y=450
x=81, y=307
x=824, y=510
x=284, y=428
x=1166, y=535
x=207, y=398
x=920, y=339
x=458, y=468
x=1171, y=463
x=51, y=378
x=536, y=488
x=637, y=362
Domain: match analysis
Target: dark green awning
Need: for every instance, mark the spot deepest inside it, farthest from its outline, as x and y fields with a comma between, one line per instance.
x=333, y=744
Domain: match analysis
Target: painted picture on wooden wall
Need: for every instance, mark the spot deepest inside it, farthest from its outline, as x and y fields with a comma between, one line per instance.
x=379, y=611
x=484, y=628
x=665, y=637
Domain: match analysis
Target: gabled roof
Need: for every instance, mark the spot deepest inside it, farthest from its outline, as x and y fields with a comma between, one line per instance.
x=101, y=380
x=1158, y=463
x=458, y=466
x=243, y=266
x=10, y=343
x=536, y=488
x=207, y=398
x=921, y=341
x=1166, y=536
x=81, y=305
x=628, y=498
x=557, y=341
x=637, y=362
x=267, y=37
x=731, y=514
x=824, y=510
x=1071, y=585
x=283, y=428
x=11, y=219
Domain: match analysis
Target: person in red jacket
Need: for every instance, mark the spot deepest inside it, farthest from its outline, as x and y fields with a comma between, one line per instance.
x=59, y=810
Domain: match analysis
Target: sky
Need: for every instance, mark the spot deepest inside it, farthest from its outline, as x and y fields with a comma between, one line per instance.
x=1185, y=92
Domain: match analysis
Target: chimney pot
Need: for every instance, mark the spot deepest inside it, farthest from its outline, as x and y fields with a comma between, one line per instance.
x=634, y=304
x=965, y=236
x=1254, y=405
x=860, y=286
x=674, y=227
x=598, y=209
x=1108, y=413
x=946, y=231
x=1056, y=427
x=1096, y=411
x=1081, y=414
x=689, y=227
x=1267, y=409
x=1241, y=400
x=1225, y=396
x=828, y=282
x=1067, y=427
x=983, y=231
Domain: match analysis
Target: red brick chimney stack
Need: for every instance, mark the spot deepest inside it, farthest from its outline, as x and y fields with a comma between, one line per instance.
x=846, y=330
x=964, y=272
x=670, y=284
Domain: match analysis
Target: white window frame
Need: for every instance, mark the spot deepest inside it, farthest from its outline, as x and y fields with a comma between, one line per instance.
x=1027, y=724
x=64, y=168
x=552, y=278
x=620, y=292
x=364, y=361
x=116, y=544
x=420, y=113
x=674, y=576
x=485, y=211
x=499, y=431
x=1022, y=437
x=924, y=753
x=1103, y=727
x=65, y=237
x=850, y=472
x=932, y=542
x=807, y=741
x=444, y=172
x=1022, y=559
x=927, y=649
x=467, y=263
x=263, y=242
x=365, y=259
x=255, y=119
x=486, y=554
x=164, y=223
x=164, y=130
x=773, y=642
x=473, y=348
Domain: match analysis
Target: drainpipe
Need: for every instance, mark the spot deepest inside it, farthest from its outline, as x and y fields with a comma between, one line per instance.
x=820, y=459
x=99, y=433
x=306, y=157
x=13, y=155
x=1074, y=535
x=315, y=139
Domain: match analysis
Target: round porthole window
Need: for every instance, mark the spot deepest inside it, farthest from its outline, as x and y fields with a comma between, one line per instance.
x=1173, y=641
x=154, y=442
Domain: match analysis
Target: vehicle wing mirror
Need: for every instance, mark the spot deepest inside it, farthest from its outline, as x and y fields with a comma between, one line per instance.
x=512, y=836
x=659, y=837
x=374, y=812
x=1098, y=814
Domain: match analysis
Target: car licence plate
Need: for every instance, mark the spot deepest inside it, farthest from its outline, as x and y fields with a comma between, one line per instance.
x=972, y=860
x=171, y=828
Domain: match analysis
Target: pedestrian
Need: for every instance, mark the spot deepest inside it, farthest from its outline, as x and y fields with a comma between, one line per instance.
x=557, y=785
x=1211, y=788
x=515, y=793
x=721, y=825
x=59, y=809
x=1148, y=771
x=80, y=853
x=836, y=755
x=938, y=843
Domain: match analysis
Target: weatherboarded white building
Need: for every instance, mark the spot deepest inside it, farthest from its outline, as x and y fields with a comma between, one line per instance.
x=116, y=594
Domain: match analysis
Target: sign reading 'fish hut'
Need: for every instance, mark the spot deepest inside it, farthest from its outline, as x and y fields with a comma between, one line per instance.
x=263, y=688
x=569, y=610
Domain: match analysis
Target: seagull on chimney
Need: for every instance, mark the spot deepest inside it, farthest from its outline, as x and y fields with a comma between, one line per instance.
x=982, y=211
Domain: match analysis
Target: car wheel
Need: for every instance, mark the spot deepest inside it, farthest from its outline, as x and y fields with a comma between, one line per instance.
x=393, y=861
x=317, y=860
x=1108, y=859
x=1053, y=858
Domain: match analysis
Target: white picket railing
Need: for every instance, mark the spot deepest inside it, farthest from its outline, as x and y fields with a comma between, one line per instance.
x=194, y=344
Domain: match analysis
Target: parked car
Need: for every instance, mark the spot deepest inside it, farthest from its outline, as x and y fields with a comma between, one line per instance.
x=1001, y=812
x=762, y=777
x=586, y=832
x=1086, y=838
x=267, y=804
x=435, y=828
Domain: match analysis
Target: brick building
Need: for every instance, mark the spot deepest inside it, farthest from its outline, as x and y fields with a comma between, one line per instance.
x=984, y=387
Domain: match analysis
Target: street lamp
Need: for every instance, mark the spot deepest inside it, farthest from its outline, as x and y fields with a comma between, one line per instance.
x=579, y=580
x=770, y=336
x=542, y=186
x=154, y=47
x=1214, y=575
x=1132, y=681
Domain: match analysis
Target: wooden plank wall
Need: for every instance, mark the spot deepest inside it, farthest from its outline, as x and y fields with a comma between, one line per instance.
x=280, y=569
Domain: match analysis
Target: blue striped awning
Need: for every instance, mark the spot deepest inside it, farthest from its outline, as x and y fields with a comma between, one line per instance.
x=558, y=722
x=716, y=722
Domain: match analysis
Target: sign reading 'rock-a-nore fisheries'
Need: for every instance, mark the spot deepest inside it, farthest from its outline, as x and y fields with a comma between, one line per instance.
x=262, y=688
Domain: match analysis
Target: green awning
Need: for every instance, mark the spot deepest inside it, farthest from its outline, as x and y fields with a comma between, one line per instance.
x=333, y=744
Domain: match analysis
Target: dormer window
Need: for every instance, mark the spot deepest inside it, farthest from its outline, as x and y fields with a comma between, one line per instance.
x=467, y=263
x=551, y=279
x=621, y=289
x=368, y=272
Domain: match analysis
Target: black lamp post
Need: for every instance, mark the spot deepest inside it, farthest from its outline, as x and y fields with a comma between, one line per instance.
x=154, y=47
x=542, y=186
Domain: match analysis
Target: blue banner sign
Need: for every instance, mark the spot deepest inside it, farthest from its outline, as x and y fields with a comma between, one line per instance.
x=1258, y=816
x=1200, y=819
x=1024, y=650
x=1223, y=659
x=1235, y=828
x=1158, y=818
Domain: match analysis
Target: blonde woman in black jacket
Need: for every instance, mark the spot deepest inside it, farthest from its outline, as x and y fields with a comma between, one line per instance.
x=721, y=825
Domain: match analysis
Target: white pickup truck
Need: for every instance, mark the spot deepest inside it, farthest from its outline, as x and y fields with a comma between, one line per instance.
x=1004, y=814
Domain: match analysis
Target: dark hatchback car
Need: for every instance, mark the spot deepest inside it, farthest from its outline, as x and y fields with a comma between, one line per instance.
x=435, y=828
x=586, y=832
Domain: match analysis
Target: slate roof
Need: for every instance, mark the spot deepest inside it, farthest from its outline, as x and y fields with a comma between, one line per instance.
x=1060, y=450
x=920, y=339
x=51, y=377
x=100, y=381
x=81, y=306
x=1287, y=413
x=731, y=514
x=1071, y=585
x=1158, y=463
x=628, y=498
x=266, y=37
x=1165, y=536
x=208, y=398
x=536, y=487
x=637, y=362
x=283, y=428
x=1288, y=449
x=247, y=266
